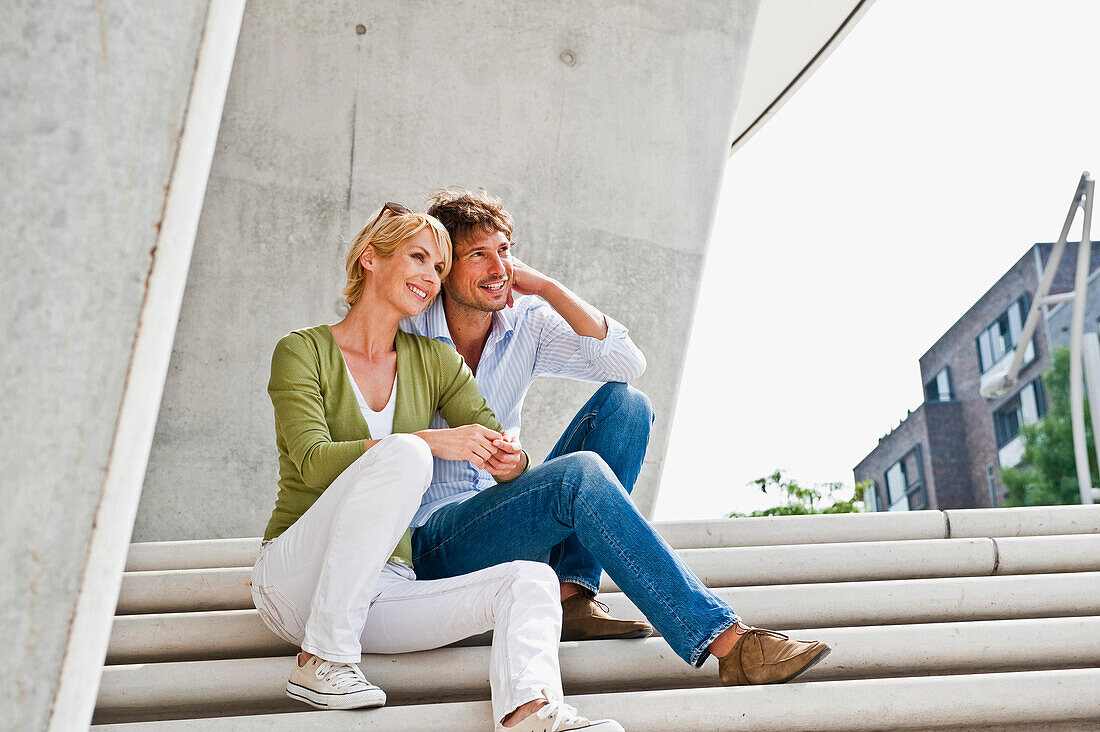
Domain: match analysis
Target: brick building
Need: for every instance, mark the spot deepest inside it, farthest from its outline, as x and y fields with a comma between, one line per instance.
x=949, y=451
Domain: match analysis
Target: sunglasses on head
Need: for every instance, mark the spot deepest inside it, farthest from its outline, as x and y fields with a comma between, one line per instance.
x=394, y=208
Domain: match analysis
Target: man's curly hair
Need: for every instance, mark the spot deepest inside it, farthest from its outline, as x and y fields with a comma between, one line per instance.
x=467, y=214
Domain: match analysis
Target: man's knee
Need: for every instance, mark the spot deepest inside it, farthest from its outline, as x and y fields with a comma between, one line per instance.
x=588, y=474
x=632, y=403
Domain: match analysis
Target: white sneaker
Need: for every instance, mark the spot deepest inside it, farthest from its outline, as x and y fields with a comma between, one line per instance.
x=557, y=716
x=330, y=685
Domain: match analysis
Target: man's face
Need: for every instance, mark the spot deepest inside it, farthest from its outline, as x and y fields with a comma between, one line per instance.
x=481, y=272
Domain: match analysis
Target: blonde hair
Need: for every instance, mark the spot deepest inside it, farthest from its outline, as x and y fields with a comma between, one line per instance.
x=384, y=234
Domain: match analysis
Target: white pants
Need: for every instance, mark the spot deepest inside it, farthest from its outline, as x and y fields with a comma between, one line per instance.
x=324, y=584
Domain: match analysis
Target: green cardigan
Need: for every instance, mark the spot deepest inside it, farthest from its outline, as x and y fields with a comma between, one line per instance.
x=320, y=430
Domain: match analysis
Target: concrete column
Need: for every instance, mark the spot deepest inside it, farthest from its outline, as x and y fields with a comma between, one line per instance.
x=605, y=128
x=110, y=114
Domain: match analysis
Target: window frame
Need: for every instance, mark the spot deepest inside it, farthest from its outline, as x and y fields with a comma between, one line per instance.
x=935, y=383
x=912, y=487
x=1024, y=303
x=999, y=414
x=872, y=492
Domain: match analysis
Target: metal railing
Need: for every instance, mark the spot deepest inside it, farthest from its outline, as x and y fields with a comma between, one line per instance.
x=1084, y=349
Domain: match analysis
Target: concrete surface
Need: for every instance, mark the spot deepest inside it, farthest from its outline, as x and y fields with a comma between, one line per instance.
x=702, y=534
x=609, y=159
x=894, y=643
x=1025, y=700
x=93, y=97
x=255, y=685
x=182, y=636
x=227, y=588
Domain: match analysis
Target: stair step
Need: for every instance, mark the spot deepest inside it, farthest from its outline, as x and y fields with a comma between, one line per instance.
x=1026, y=699
x=241, y=634
x=703, y=534
x=228, y=588
x=255, y=685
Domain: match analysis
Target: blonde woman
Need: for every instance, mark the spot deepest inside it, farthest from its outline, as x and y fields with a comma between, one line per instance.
x=353, y=402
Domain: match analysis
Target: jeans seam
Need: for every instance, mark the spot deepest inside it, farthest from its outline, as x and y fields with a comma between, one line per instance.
x=590, y=417
x=652, y=590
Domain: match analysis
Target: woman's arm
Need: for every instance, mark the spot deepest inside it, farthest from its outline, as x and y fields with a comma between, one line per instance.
x=473, y=442
x=461, y=403
x=295, y=391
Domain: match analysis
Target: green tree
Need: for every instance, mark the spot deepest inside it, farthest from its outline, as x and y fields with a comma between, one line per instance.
x=802, y=500
x=1047, y=474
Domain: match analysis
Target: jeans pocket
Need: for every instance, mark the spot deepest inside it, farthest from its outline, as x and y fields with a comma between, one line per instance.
x=278, y=613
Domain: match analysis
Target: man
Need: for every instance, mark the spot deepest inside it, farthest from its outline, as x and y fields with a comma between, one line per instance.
x=513, y=324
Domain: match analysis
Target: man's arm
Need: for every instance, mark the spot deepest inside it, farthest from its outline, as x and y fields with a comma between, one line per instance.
x=585, y=319
x=576, y=340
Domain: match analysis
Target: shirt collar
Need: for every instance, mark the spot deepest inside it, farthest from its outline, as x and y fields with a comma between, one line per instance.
x=504, y=322
x=435, y=322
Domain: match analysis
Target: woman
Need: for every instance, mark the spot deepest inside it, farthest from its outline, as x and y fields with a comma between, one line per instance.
x=353, y=403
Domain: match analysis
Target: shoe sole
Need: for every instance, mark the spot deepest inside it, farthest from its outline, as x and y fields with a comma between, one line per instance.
x=640, y=633
x=372, y=697
x=813, y=662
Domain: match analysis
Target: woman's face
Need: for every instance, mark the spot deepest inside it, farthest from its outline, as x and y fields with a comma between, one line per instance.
x=409, y=278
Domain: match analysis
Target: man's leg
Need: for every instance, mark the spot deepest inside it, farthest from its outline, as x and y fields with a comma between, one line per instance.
x=576, y=494
x=615, y=424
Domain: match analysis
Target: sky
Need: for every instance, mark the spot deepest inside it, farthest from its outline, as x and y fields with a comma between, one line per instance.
x=931, y=149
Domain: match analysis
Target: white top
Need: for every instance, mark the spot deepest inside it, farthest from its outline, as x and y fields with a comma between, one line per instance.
x=379, y=423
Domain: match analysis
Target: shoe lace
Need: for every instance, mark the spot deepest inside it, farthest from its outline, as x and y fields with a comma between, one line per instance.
x=751, y=631
x=565, y=713
x=340, y=675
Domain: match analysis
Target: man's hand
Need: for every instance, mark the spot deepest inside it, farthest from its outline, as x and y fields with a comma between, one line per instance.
x=470, y=442
x=508, y=461
x=526, y=280
x=583, y=318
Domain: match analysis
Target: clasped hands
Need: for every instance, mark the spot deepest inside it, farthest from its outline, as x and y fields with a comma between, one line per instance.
x=498, y=453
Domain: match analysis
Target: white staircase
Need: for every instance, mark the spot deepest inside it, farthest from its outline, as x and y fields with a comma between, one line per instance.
x=973, y=619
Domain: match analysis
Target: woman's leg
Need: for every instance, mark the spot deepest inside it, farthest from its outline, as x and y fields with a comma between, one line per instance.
x=315, y=582
x=517, y=600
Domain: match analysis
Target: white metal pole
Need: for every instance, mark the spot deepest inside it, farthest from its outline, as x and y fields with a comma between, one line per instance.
x=1077, y=414
x=1076, y=383
x=1090, y=345
x=1004, y=383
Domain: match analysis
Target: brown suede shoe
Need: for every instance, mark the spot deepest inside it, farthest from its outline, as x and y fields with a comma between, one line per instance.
x=766, y=657
x=585, y=618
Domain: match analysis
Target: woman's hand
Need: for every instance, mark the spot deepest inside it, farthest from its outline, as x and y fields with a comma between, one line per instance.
x=471, y=442
x=508, y=461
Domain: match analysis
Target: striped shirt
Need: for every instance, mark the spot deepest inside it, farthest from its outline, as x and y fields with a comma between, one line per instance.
x=527, y=340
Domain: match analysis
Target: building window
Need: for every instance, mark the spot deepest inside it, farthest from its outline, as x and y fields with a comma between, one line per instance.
x=870, y=497
x=991, y=481
x=1026, y=407
x=939, y=388
x=1002, y=336
x=905, y=483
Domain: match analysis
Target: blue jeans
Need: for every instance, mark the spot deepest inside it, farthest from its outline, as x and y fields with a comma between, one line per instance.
x=574, y=512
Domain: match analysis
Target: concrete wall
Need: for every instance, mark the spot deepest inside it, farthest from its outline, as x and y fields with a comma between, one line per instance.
x=93, y=98
x=604, y=127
